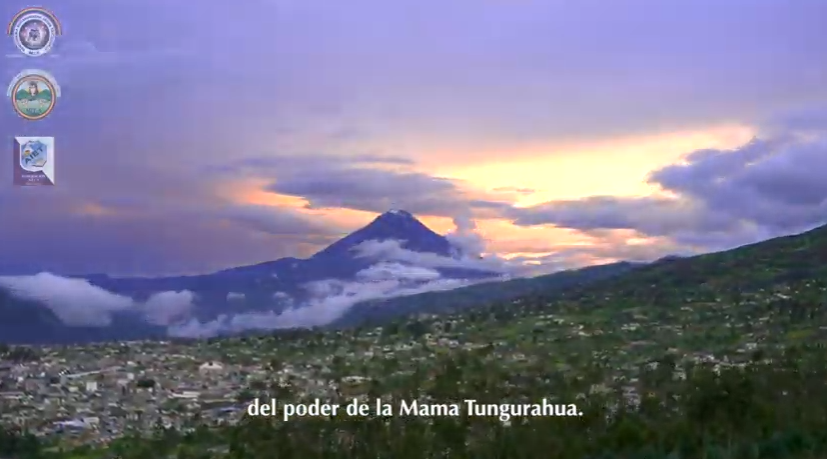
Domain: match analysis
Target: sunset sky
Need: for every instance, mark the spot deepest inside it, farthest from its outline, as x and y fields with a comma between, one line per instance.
x=193, y=136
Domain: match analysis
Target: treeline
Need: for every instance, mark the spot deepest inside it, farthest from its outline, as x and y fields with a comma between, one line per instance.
x=18, y=354
x=19, y=445
x=770, y=407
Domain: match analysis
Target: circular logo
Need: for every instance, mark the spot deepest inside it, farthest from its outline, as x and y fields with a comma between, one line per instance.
x=34, y=31
x=34, y=155
x=33, y=94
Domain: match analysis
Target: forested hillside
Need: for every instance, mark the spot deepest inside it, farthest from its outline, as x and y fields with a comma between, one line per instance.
x=717, y=356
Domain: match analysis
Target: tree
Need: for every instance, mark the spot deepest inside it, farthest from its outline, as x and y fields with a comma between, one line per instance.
x=145, y=383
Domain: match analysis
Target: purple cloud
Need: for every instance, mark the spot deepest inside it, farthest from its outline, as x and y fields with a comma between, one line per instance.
x=718, y=199
x=143, y=114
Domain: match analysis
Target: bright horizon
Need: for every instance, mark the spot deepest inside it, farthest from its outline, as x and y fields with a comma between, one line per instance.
x=554, y=133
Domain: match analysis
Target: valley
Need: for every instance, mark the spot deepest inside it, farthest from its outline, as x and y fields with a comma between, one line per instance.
x=719, y=355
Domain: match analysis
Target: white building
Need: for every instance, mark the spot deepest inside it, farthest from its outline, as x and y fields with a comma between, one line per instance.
x=210, y=367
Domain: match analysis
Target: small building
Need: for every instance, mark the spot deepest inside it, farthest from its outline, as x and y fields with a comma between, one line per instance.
x=209, y=367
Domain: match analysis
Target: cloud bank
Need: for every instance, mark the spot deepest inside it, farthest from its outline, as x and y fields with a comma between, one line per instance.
x=715, y=199
x=395, y=272
x=77, y=303
x=329, y=301
x=425, y=83
x=74, y=301
x=712, y=199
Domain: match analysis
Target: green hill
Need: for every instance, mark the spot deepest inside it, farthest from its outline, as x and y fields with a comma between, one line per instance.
x=42, y=95
x=475, y=296
x=715, y=356
x=781, y=260
x=790, y=269
x=792, y=263
x=771, y=294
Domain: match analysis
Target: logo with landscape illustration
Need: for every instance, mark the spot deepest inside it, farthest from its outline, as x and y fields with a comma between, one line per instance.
x=33, y=94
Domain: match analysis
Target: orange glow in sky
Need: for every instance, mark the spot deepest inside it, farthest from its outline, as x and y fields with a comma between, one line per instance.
x=615, y=167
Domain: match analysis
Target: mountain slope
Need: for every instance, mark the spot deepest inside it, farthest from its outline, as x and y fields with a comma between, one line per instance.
x=394, y=224
x=259, y=285
x=783, y=266
x=779, y=263
x=23, y=321
x=793, y=269
x=340, y=260
x=482, y=294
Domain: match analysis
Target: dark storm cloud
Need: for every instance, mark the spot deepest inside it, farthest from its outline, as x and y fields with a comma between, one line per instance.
x=717, y=198
x=775, y=184
x=372, y=183
x=282, y=222
x=651, y=215
x=372, y=190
